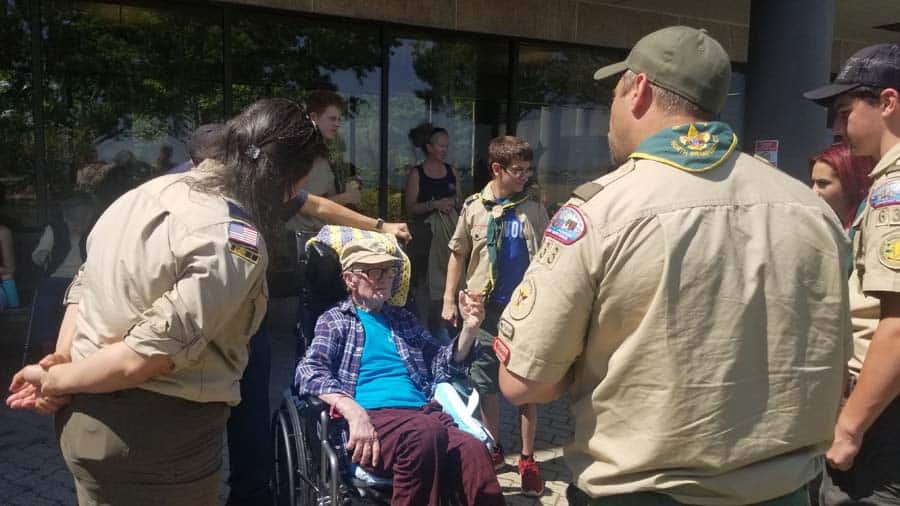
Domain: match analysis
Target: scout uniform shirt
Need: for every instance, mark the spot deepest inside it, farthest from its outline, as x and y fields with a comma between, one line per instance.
x=876, y=245
x=470, y=235
x=699, y=298
x=178, y=272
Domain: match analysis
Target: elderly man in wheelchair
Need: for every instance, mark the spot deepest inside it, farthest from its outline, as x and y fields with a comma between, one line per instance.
x=377, y=367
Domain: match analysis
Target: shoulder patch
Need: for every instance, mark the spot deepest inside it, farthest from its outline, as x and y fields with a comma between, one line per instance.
x=886, y=194
x=471, y=198
x=502, y=350
x=244, y=234
x=242, y=250
x=237, y=212
x=567, y=225
x=889, y=251
x=586, y=191
x=522, y=301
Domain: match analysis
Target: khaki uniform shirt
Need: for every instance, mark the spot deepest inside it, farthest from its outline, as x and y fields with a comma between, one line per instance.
x=320, y=183
x=470, y=235
x=876, y=253
x=172, y=271
x=704, y=319
x=865, y=312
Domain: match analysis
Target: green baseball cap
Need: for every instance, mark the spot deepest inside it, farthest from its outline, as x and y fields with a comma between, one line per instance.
x=683, y=60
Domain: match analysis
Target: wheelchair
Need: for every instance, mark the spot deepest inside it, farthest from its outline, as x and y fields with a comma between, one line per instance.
x=312, y=465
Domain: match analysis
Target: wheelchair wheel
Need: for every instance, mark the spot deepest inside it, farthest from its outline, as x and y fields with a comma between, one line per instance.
x=295, y=471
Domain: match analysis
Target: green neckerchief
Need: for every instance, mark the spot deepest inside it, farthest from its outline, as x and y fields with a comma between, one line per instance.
x=694, y=147
x=495, y=229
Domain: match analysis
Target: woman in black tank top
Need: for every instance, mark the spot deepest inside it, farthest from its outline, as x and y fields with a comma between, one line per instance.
x=432, y=200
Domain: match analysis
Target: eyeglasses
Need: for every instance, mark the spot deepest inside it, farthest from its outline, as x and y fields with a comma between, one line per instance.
x=518, y=172
x=377, y=274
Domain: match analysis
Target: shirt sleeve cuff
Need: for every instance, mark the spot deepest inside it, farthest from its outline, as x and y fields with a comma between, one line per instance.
x=144, y=341
x=527, y=365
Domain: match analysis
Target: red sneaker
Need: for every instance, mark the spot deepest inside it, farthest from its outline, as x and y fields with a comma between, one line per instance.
x=497, y=457
x=532, y=484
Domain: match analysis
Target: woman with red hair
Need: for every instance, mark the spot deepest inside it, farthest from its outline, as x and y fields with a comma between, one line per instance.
x=842, y=180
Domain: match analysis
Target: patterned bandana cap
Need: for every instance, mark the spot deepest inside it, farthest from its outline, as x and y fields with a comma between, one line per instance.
x=337, y=238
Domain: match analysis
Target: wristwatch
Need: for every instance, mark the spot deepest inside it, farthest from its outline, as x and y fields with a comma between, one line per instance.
x=379, y=224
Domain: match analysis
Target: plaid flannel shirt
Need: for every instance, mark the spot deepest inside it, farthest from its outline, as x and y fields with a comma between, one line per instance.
x=331, y=364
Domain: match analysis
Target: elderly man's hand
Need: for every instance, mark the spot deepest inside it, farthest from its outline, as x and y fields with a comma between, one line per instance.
x=398, y=230
x=471, y=307
x=363, y=439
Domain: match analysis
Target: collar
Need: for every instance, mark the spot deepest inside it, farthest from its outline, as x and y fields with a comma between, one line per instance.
x=891, y=158
x=692, y=147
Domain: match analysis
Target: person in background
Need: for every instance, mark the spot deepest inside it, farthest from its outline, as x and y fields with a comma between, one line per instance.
x=164, y=162
x=842, y=180
x=432, y=198
x=499, y=232
x=60, y=253
x=204, y=144
x=325, y=109
x=863, y=460
x=9, y=295
x=158, y=319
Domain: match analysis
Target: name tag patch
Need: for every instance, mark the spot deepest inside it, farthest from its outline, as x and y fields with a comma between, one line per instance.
x=247, y=253
x=567, y=225
x=888, y=194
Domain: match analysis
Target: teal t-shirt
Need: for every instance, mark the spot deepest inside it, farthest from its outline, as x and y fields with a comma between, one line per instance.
x=383, y=380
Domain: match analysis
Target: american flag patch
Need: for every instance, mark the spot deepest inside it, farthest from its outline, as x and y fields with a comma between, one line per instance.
x=243, y=234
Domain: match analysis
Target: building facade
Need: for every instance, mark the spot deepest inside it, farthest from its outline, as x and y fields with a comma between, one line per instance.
x=86, y=84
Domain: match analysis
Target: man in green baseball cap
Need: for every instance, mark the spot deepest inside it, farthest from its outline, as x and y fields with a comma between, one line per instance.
x=700, y=363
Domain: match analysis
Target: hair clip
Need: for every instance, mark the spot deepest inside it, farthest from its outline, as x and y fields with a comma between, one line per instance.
x=252, y=151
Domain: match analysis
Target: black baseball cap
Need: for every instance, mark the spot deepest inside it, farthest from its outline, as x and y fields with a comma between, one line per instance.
x=875, y=66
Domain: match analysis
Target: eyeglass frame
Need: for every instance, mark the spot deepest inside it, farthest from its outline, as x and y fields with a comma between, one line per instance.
x=382, y=270
x=518, y=172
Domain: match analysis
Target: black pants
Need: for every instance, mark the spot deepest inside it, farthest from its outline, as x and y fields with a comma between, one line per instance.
x=874, y=478
x=250, y=456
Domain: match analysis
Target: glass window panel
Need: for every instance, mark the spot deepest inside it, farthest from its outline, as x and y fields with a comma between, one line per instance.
x=18, y=204
x=733, y=112
x=564, y=114
x=453, y=83
x=281, y=55
x=125, y=86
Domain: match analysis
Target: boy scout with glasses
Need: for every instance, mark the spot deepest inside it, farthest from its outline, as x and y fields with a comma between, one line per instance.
x=864, y=459
x=500, y=230
x=692, y=303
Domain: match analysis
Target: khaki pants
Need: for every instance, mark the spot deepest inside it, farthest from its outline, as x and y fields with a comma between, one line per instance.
x=136, y=447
